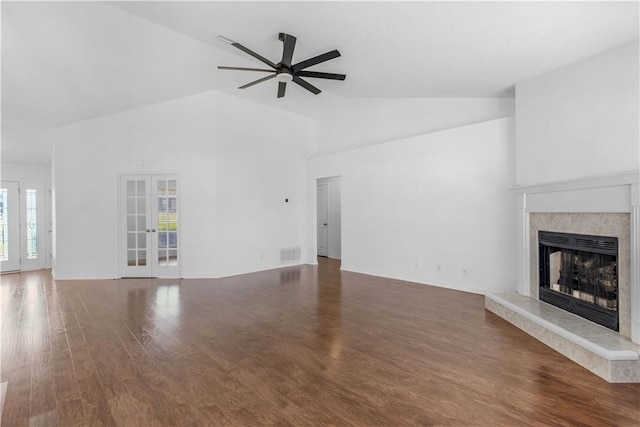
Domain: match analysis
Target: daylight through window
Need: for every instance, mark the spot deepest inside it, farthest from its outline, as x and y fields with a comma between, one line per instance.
x=32, y=224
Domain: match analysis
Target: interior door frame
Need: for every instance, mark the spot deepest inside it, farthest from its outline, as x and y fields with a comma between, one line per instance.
x=334, y=223
x=152, y=216
x=324, y=226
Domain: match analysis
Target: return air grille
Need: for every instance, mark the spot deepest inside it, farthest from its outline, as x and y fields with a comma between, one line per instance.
x=290, y=254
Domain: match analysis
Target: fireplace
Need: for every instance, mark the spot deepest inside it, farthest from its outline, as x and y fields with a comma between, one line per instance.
x=579, y=273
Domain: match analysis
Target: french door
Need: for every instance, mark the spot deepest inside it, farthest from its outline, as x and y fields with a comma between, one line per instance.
x=149, y=242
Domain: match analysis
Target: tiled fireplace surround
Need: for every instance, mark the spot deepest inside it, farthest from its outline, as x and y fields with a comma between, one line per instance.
x=596, y=224
x=603, y=206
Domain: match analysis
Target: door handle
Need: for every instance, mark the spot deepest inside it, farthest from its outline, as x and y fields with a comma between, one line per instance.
x=148, y=230
x=325, y=223
x=153, y=230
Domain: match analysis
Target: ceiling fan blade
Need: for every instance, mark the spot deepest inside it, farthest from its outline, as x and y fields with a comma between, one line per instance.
x=255, y=82
x=282, y=86
x=315, y=60
x=247, y=50
x=222, y=67
x=287, y=52
x=318, y=75
x=308, y=86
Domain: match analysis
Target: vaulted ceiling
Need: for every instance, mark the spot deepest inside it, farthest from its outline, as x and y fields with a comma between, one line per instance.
x=64, y=62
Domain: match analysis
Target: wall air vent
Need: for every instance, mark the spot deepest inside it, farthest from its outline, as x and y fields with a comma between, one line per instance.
x=290, y=254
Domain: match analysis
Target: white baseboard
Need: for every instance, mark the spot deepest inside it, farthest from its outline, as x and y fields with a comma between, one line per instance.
x=420, y=281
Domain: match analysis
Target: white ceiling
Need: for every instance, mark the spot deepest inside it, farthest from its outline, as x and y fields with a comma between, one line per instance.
x=64, y=62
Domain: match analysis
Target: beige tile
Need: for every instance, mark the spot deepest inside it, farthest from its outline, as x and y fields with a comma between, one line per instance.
x=590, y=223
x=600, y=224
x=48, y=419
x=612, y=371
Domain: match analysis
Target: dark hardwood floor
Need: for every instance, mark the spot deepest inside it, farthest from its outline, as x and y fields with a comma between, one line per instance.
x=297, y=346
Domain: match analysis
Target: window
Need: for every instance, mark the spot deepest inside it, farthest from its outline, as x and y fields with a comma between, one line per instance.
x=32, y=224
x=4, y=226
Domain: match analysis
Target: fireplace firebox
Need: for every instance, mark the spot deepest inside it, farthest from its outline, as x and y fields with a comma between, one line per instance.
x=579, y=273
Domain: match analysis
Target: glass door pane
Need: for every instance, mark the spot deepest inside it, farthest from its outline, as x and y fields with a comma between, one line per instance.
x=136, y=223
x=9, y=226
x=33, y=247
x=32, y=223
x=167, y=222
x=4, y=224
x=136, y=226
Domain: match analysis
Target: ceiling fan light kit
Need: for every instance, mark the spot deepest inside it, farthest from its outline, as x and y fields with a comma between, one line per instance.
x=284, y=71
x=284, y=77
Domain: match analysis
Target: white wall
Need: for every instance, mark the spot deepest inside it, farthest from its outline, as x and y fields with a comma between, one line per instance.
x=260, y=162
x=435, y=199
x=580, y=120
x=39, y=176
x=232, y=164
x=358, y=122
x=335, y=218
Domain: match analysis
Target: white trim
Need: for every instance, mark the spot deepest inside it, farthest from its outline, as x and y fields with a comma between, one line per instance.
x=523, y=245
x=277, y=267
x=635, y=263
x=404, y=278
x=612, y=180
x=55, y=277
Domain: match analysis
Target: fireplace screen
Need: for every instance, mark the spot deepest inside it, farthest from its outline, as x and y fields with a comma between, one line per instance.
x=579, y=274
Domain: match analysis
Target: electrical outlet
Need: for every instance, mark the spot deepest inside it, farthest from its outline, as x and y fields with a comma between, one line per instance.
x=415, y=264
x=438, y=267
x=465, y=271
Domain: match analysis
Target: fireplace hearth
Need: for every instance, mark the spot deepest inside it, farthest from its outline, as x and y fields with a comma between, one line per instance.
x=579, y=273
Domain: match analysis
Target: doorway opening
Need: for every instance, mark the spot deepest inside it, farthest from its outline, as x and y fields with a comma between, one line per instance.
x=329, y=217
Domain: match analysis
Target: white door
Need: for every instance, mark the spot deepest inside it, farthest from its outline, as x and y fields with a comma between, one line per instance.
x=323, y=218
x=9, y=226
x=149, y=226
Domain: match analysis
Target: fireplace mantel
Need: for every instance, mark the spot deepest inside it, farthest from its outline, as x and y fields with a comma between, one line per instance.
x=611, y=180
x=606, y=194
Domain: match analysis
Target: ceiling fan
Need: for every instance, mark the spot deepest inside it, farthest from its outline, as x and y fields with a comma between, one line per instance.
x=284, y=71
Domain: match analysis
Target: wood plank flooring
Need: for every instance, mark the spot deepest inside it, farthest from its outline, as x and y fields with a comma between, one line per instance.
x=291, y=347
